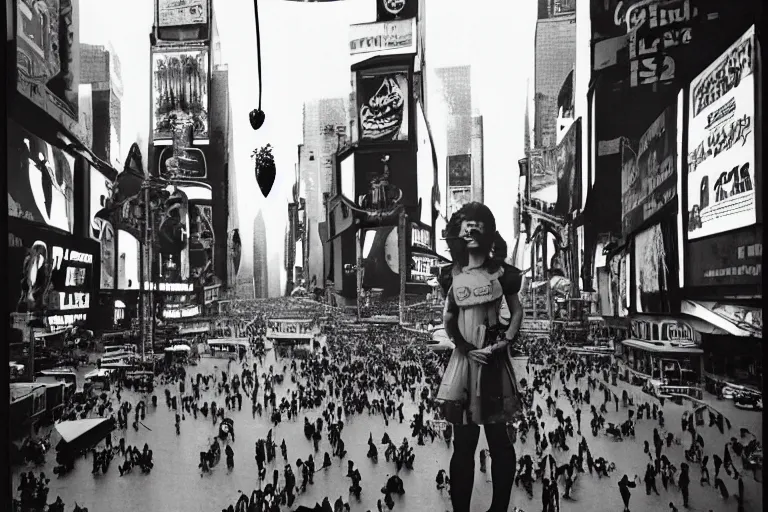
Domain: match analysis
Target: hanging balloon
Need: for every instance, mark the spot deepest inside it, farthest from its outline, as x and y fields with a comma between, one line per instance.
x=265, y=169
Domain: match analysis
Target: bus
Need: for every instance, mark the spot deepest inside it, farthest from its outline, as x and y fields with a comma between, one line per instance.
x=228, y=347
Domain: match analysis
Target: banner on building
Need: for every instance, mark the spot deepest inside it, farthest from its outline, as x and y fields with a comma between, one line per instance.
x=291, y=329
x=655, y=276
x=459, y=170
x=384, y=37
x=174, y=13
x=458, y=197
x=543, y=170
x=102, y=229
x=387, y=10
x=569, y=171
x=48, y=59
x=732, y=259
x=180, y=92
x=189, y=164
x=49, y=271
x=383, y=102
x=649, y=174
x=40, y=180
x=721, y=143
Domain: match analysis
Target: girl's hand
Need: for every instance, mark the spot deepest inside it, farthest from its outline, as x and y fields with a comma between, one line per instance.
x=465, y=347
x=481, y=356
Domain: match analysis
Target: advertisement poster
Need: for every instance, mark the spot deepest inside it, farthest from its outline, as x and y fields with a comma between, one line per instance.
x=102, y=230
x=734, y=258
x=568, y=171
x=384, y=180
x=387, y=10
x=649, y=262
x=173, y=13
x=40, y=180
x=180, y=83
x=649, y=172
x=459, y=171
x=189, y=164
x=384, y=103
x=543, y=169
x=381, y=262
x=384, y=36
x=721, y=143
x=48, y=271
x=458, y=197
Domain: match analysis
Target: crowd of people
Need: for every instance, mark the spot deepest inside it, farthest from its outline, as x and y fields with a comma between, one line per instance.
x=374, y=372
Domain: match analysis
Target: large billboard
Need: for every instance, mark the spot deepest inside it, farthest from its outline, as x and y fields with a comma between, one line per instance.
x=173, y=13
x=569, y=171
x=40, y=180
x=51, y=273
x=180, y=92
x=384, y=180
x=383, y=105
x=732, y=259
x=649, y=172
x=101, y=229
x=48, y=58
x=381, y=263
x=721, y=143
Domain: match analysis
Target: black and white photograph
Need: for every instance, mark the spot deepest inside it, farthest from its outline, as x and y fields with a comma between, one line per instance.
x=383, y=255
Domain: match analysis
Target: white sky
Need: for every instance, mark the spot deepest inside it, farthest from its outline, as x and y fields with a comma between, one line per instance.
x=305, y=56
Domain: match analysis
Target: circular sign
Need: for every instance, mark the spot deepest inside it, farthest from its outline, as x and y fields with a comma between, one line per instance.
x=394, y=6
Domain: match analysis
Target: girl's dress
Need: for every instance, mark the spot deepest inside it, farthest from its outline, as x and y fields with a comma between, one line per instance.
x=472, y=393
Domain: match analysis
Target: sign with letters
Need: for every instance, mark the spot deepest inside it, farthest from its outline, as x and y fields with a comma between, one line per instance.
x=721, y=143
x=386, y=36
x=668, y=331
x=292, y=329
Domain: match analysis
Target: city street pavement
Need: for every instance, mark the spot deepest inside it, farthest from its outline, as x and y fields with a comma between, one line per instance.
x=176, y=484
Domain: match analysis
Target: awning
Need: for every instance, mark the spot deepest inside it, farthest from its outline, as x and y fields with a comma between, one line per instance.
x=662, y=349
x=80, y=435
x=724, y=318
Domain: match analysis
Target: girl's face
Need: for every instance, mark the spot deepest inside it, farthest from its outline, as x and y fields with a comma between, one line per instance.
x=469, y=226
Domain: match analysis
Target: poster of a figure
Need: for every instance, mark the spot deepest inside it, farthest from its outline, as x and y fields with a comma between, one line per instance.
x=459, y=171
x=180, y=92
x=40, y=180
x=384, y=105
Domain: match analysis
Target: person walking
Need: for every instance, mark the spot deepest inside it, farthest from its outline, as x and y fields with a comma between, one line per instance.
x=479, y=386
x=624, y=488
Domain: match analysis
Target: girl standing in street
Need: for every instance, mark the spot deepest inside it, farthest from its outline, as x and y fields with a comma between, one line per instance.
x=479, y=386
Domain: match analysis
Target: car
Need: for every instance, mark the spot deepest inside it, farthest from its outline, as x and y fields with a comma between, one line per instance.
x=747, y=400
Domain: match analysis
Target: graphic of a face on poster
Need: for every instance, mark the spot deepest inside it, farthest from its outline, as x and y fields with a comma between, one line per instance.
x=721, y=144
x=384, y=106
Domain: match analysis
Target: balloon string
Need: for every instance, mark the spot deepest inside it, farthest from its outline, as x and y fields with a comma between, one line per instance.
x=258, y=45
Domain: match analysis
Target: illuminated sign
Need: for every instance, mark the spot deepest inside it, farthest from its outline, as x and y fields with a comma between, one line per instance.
x=169, y=287
x=291, y=329
x=422, y=267
x=74, y=300
x=420, y=237
x=60, y=254
x=58, y=321
x=676, y=331
x=182, y=312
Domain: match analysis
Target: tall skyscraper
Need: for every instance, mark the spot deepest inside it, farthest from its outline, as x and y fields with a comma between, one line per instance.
x=555, y=58
x=260, y=263
x=274, y=275
x=100, y=68
x=464, y=138
x=325, y=122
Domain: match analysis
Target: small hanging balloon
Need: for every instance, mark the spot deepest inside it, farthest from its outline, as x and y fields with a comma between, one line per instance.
x=264, y=166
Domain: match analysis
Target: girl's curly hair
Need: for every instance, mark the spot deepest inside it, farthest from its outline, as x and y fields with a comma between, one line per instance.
x=477, y=212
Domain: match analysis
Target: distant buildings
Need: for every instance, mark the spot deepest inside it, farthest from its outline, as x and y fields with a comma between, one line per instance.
x=464, y=138
x=102, y=90
x=273, y=277
x=324, y=131
x=260, y=262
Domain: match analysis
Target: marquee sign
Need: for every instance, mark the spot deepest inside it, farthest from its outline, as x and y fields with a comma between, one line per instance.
x=291, y=329
x=668, y=331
